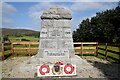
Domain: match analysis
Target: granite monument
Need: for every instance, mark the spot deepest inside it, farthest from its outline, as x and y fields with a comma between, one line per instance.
x=55, y=35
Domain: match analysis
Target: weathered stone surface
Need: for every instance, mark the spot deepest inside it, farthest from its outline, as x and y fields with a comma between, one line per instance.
x=62, y=23
x=47, y=23
x=49, y=44
x=65, y=43
x=56, y=12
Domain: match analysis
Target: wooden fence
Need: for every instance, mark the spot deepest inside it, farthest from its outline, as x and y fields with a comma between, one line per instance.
x=81, y=46
x=107, y=51
x=24, y=48
x=4, y=48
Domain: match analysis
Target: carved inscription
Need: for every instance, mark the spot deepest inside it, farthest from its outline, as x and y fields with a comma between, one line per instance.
x=67, y=32
x=56, y=53
x=55, y=32
x=43, y=32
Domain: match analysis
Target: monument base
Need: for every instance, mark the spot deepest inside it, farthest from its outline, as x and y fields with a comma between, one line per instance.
x=28, y=69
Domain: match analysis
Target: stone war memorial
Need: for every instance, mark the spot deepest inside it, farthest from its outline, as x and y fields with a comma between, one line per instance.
x=55, y=35
x=56, y=50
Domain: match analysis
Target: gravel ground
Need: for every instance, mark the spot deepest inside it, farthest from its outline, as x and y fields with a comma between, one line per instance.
x=99, y=68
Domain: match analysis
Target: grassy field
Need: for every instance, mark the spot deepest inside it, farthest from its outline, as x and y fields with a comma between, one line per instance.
x=33, y=39
x=19, y=39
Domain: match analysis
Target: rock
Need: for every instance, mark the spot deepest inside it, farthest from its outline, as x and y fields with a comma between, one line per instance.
x=56, y=12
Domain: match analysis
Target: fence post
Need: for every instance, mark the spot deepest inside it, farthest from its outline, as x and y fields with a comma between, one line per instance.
x=2, y=51
x=29, y=49
x=97, y=49
x=119, y=54
x=106, y=50
x=12, y=46
x=82, y=49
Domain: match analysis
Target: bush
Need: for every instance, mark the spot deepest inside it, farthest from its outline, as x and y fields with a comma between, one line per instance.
x=25, y=40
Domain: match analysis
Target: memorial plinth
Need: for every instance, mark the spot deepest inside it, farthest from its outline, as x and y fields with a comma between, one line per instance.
x=55, y=35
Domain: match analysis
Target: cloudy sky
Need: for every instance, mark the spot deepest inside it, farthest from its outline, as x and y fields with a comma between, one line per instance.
x=26, y=15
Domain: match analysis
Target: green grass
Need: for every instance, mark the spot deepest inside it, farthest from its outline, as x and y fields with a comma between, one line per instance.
x=111, y=48
x=25, y=45
x=18, y=39
x=85, y=50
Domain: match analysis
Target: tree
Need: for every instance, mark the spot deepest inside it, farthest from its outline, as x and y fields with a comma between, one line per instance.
x=5, y=38
x=104, y=27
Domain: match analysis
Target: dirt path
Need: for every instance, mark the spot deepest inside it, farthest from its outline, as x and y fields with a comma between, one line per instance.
x=101, y=68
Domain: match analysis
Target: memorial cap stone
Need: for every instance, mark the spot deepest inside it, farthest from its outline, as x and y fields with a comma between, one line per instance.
x=56, y=12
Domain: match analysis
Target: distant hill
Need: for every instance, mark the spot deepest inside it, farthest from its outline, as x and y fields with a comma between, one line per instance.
x=13, y=32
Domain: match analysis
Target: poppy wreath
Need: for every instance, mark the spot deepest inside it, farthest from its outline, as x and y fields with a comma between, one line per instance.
x=44, y=66
x=68, y=72
x=58, y=63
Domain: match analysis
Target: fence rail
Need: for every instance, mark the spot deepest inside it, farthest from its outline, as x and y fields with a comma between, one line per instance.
x=81, y=46
x=24, y=48
x=106, y=49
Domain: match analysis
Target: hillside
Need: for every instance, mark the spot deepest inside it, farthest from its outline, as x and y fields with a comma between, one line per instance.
x=13, y=32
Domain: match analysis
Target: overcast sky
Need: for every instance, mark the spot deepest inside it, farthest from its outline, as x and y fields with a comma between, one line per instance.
x=26, y=15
